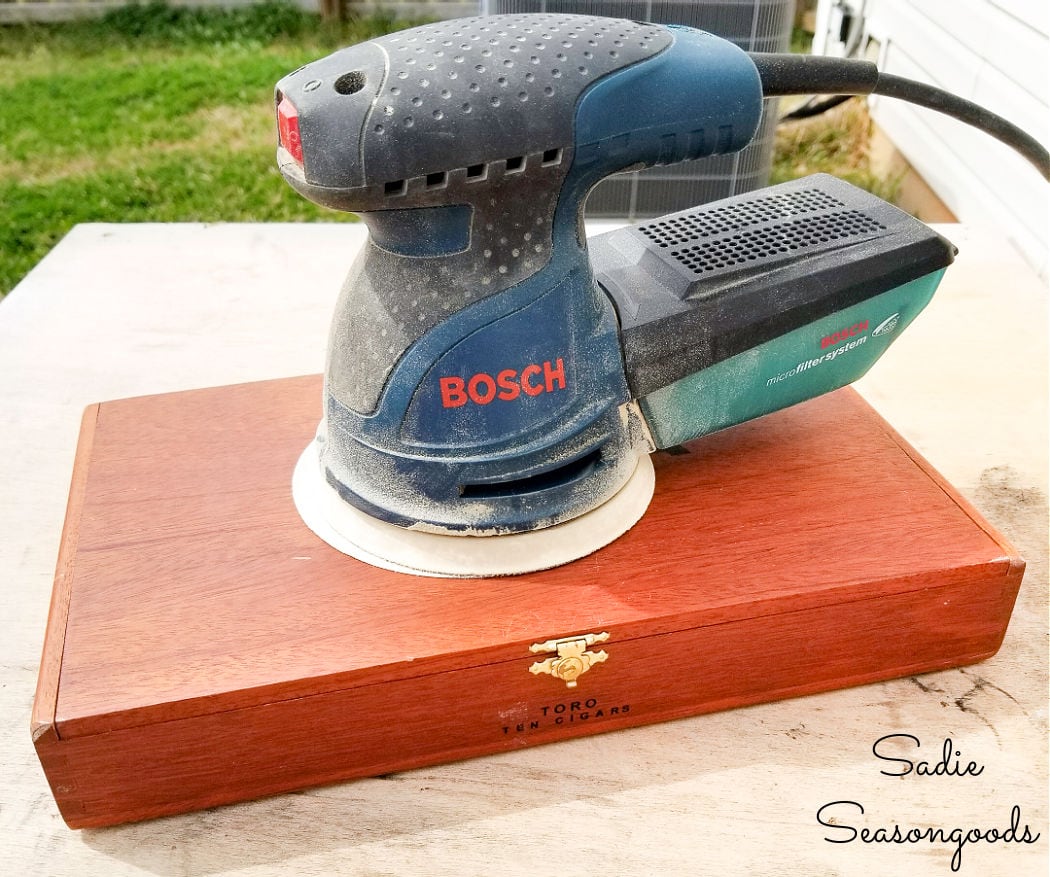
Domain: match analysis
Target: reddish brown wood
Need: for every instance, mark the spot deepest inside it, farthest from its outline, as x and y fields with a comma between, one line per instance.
x=216, y=650
x=46, y=698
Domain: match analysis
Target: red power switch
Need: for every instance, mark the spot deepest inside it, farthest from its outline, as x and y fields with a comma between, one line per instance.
x=288, y=129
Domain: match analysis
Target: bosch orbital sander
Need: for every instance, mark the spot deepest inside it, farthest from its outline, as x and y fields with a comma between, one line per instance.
x=495, y=383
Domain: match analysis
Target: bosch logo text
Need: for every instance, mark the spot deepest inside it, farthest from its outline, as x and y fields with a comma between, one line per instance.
x=506, y=386
x=843, y=334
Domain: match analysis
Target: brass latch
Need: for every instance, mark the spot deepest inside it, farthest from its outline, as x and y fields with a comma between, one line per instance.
x=573, y=659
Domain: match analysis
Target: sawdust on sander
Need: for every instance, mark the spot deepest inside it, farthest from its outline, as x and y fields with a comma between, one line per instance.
x=384, y=545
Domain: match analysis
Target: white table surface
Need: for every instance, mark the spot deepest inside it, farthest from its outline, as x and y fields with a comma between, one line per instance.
x=121, y=310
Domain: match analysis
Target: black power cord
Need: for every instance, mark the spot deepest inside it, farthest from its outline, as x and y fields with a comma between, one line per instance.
x=784, y=74
x=813, y=107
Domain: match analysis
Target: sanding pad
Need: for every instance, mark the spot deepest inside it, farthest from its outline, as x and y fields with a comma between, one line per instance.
x=417, y=552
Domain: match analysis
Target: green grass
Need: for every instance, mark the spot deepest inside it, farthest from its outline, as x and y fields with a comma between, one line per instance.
x=835, y=142
x=164, y=114
x=151, y=114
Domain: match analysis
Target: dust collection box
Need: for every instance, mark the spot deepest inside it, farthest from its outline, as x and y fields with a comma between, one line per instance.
x=205, y=647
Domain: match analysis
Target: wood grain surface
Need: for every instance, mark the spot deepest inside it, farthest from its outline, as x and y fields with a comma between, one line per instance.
x=126, y=310
x=197, y=607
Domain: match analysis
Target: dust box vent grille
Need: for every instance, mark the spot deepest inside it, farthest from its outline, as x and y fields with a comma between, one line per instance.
x=774, y=241
x=702, y=223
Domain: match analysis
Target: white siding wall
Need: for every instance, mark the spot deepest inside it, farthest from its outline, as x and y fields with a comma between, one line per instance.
x=997, y=54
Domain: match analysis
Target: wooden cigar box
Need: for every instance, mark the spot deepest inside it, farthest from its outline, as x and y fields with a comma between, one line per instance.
x=205, y=647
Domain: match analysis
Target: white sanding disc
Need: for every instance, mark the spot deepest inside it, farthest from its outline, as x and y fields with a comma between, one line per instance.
x=417, y=552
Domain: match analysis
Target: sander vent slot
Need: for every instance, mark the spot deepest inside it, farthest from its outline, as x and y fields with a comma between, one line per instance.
x=702, y=223
x=773, y=241
x=557, y=477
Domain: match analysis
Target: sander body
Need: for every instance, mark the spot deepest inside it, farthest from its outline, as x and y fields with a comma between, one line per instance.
x=491, y=372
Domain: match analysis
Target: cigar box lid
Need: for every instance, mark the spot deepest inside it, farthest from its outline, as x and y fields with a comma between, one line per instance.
x=187, y=585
